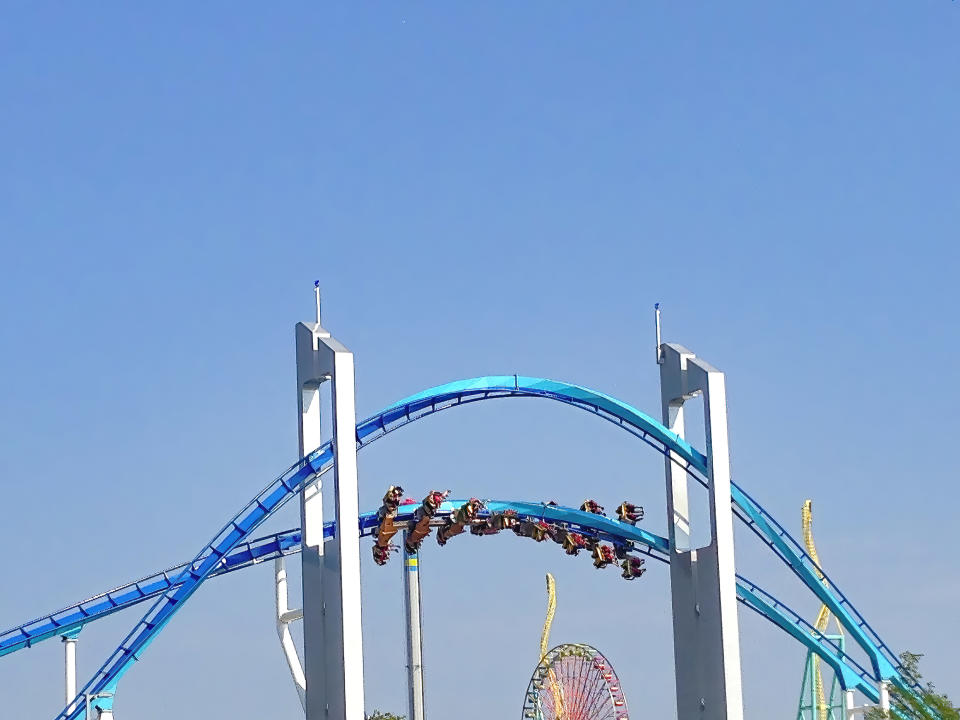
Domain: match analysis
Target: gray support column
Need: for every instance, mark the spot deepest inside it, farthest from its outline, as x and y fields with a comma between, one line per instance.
x=332, y=629
x=414, y=616
x=706, y=636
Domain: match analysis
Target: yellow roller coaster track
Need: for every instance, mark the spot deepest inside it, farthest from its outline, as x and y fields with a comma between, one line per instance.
x=545, y=645
x=823, y=617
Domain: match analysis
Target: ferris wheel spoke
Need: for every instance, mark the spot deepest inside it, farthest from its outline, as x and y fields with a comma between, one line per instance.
x=583, y=689
x=592, y=704
x=593, y=691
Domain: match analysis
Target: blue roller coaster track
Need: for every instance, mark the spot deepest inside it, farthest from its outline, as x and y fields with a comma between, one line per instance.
x=233, y=549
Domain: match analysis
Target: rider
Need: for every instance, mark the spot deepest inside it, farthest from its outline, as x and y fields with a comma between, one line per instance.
x=592, y=506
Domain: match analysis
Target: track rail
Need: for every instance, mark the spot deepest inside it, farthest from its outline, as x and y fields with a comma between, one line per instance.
x=102, y=605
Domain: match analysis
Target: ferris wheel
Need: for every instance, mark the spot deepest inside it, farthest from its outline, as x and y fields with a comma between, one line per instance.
x=573, y=681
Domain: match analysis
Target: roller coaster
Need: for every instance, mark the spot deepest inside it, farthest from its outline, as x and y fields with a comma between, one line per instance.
x=608, y=541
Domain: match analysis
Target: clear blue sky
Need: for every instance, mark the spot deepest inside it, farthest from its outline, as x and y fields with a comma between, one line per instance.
x=481, y=188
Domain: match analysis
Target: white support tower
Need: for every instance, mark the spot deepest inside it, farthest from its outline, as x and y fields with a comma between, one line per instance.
x=332, y=631
x=706, y=637
x=411, y=606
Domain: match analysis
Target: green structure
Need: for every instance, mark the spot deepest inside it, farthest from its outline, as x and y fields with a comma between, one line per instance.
x=815, y=703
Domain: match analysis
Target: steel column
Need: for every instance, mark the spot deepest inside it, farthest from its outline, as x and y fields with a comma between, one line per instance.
x=848, y=703
x=411, y=598
x=70, y=668
x=706, y=638
x=885, y=697
x=332, y=630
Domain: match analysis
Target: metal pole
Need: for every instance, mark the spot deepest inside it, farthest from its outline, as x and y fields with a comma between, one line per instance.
x=656, y=314
x=411, y=596
x=848, y=705
x=70, y=669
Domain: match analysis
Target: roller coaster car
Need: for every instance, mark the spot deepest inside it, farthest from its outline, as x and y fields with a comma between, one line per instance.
x=573, y=543
x=495, y=523
x=465, y=515
x=633, y=568
x=592, y=506
x=602, y=556
x=558, y=534
x=391, y=501
x=538, y=530
x=386, y=530
x=417, y=535
x=432, y=502
x=428, y=508
x=382, y=553
x=555, y=532
x=484, y=527
x=590, y=542
x=630, y=513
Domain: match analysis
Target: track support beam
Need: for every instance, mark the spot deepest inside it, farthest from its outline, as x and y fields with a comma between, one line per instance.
x=285, y=616
x=706, y=637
